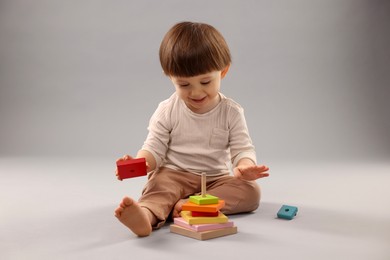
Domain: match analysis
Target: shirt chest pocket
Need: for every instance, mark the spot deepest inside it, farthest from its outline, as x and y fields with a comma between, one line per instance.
x=219, y=138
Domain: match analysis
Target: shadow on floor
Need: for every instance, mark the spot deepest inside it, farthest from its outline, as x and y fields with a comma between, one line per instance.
x=331, y=221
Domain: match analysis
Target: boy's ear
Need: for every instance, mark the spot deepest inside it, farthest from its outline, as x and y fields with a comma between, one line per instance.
x=225, y=71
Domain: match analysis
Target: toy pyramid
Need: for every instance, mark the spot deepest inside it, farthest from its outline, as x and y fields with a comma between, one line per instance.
x=201, y=217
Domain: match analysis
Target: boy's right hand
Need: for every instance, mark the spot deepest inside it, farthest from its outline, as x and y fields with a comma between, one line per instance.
x=123, y=158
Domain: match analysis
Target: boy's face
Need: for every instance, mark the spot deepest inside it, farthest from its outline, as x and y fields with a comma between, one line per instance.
x=200, y=93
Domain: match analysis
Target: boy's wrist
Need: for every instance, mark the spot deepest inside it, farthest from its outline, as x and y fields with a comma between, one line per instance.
x=245, y=162
x=151, y=162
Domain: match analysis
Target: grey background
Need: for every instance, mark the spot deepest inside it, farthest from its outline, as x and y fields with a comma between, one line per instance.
x=79, y=80
x=82, y=78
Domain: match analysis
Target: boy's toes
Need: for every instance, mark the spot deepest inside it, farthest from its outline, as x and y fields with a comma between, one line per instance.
x=175, y=214
x=127, y=202
x=118, y=212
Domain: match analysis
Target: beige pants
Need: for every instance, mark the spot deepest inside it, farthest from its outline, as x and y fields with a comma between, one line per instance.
x=165, y=187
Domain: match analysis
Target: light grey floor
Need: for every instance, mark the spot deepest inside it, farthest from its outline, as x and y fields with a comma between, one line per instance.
x=63, y=209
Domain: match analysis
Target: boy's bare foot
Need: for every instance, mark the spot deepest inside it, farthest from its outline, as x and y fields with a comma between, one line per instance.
x=177, y=209
x=134, y=217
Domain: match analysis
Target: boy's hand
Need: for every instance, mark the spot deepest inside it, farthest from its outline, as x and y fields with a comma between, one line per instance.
x=125, y=158
x=251, y=172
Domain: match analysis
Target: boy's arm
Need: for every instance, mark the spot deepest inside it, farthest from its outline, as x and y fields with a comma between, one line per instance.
x=155, y=146
x=241, y=148
x=243, y=152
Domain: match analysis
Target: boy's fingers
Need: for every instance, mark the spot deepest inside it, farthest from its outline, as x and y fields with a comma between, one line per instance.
x=263, y=168
x=147, y=166
x=125, y=158
x=117, y=175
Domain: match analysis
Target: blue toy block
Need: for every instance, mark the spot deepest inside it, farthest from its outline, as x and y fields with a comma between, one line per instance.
x=287, y=212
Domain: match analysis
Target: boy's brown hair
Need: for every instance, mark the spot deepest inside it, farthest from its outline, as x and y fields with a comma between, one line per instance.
x=189, y=49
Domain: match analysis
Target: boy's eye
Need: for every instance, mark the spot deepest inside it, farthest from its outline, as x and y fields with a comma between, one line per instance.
x=184, y=85
x=205, y=83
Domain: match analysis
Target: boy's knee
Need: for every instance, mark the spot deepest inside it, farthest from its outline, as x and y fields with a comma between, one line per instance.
x=251, y=188
x=249, y=198
x=254, y=195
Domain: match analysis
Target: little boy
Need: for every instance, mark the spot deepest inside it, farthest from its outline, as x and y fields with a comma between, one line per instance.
x=197, y=130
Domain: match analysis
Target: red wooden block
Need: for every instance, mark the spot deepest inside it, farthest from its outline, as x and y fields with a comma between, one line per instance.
x=131, y=168
x=204, y=214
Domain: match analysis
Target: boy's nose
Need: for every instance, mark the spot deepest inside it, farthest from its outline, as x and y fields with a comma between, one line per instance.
x=196, y=91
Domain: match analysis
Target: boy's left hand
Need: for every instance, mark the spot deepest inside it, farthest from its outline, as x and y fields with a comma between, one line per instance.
x=251, y=172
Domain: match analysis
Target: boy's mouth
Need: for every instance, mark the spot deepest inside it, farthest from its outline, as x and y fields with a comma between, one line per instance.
x=200, y=100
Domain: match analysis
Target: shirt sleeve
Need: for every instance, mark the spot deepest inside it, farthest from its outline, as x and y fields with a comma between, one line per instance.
x=159, y=133
x=239, y=139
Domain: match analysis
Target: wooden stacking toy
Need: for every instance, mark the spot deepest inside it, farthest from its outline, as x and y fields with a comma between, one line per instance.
x=201, y=217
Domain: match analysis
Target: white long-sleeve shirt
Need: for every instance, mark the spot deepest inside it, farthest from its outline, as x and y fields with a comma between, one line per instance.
x=183, y=140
